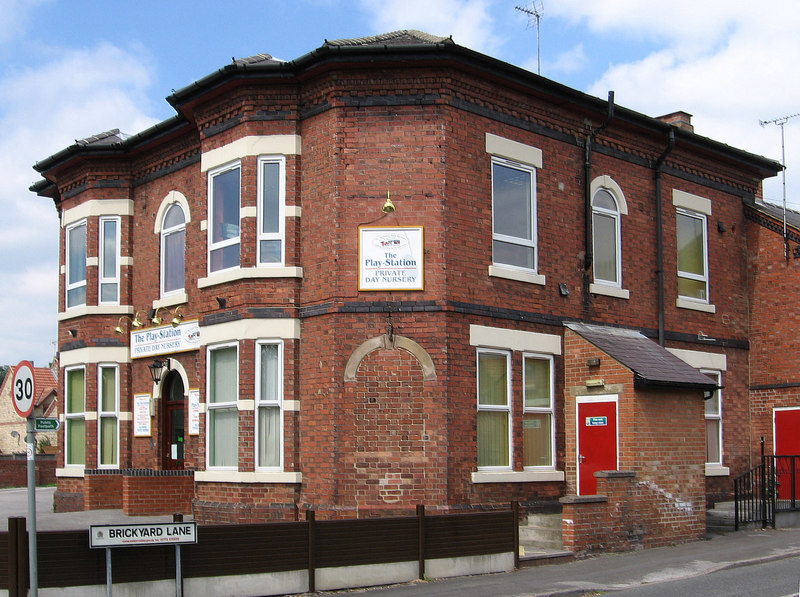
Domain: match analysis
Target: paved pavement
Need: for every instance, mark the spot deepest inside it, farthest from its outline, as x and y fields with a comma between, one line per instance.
x=598, y=574
x=14, y=502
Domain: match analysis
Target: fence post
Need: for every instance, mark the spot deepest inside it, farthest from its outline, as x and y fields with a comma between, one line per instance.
x=312, y=564
x=421, y=540
x=763, y=486
x=515, y=515
x=15, y=554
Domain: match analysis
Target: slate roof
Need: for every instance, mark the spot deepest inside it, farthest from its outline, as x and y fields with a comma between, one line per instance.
x=404, y=37
x=106, y=138
x=652, y=365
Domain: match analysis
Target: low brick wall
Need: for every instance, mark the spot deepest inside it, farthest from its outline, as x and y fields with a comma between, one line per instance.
x=147, y=492
x=628, y=514
x=14, y=470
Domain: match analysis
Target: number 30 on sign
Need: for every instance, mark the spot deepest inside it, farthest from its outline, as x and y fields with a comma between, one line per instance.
x=23, y=389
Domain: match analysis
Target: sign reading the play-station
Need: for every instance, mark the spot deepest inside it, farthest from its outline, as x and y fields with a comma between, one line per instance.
x=165, y=339
x=135, y=535
x=390, y=258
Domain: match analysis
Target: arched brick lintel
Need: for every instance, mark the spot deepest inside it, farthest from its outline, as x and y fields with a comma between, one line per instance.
x=401, y=342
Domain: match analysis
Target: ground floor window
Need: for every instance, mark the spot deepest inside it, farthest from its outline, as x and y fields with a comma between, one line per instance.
x=108, y=415
x=75, y=416
x=223, y=414
x=537, y=418
x=269, y=400
x=713, y=416
x=494, y=409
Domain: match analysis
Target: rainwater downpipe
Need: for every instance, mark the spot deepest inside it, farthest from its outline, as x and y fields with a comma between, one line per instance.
x=587, y=196
x=660, y=236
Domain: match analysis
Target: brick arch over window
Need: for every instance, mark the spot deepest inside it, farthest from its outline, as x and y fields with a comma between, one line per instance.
x=395, y=342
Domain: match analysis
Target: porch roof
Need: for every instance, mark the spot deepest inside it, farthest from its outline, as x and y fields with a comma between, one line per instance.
x=651, y=364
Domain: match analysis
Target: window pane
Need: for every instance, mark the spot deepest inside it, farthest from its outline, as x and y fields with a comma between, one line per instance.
x=605, y=247
x=604, y=200
x=537, y=383
x=269, y=373
x=75, y=389
x=225, y=258
x=76, y=239
x=493, y=439
x=110, y=249
x=108, y=389
x=712, y=405
x=270, y=197
x=270, y=251
x=511, y=254
x=174, y=216
x=511, y=193
x=268, y=446
x=492, y=379
x=692, y=288
x=536, y=434
x=108, y=292
x=713, y=453
x=225, y=206
x=76, y=296
x=174, y=260
x=223, y=436
x=108, y=440
x=223, y=375
x=690, y=245
x=76, y=441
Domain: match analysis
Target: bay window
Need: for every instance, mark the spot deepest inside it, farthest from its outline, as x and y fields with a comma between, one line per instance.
x=109, y=252
x=271, y=217
x=224, y=233
x=76, y=264
x=75, y=416
x=223, y=415
x=108, y=416
x=269, y=402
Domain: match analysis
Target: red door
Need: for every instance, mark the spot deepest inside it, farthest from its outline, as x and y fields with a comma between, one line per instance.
x=787, y=443
x=597, y=442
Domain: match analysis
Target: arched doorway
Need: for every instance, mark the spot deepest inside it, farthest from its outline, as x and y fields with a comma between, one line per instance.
x=173, y=397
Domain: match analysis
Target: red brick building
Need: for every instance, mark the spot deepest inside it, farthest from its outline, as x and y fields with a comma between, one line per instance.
x=395, y=271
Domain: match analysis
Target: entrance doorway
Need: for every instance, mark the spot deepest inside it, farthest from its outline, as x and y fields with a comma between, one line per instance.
x=597, y=440
x=787, y=443
x=172, y=432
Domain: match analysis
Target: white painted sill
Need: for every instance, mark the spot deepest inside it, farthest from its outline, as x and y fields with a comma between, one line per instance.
x=517, y=476
x=518, y=275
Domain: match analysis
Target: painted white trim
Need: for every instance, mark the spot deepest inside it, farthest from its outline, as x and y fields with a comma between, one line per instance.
x=252, y=145
x=293, y=211
x=480, y=335
x=498, y=271
x=589, y=400
x=606, y=290
x=125, y=416
x=212, y=476
x=166, y=203
x=691, y=202
x=71, y=471
x=179, y=298
x=250, y=329
x=716, y=470
x=245, y=405
x=513, y=150
x=82, y=310
x=684, y=303
x=516, y=476
x=291, y=406
x=776, y=409
x=702, y=360
x=249, y=273
x=606, y=182
x=94, y=354
x=92, y=261
x=248, y=211
x=97, y=207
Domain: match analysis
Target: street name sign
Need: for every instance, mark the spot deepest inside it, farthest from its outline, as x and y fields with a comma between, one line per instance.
x=137, y=535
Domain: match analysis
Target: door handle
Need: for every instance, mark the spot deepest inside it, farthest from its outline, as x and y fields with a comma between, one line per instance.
x=581, y=457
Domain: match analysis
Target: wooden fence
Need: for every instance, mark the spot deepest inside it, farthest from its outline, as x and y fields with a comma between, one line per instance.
x=274, y=558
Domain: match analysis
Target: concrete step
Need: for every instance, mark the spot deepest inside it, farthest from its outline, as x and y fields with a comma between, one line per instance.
x=541, y=534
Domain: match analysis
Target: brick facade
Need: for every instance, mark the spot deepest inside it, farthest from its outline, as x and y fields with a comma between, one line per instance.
x=379, y=405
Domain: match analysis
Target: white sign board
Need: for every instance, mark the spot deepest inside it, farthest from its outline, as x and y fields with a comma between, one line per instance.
x=390, y=258
x=23, y=389
x=194, y=412
x=141, y=415
x=134, y=535
x=165, y=339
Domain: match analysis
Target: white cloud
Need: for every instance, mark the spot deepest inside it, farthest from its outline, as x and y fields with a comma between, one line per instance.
x=43, y=109
x=570, y=61
x=16, y=15
x=469, y=22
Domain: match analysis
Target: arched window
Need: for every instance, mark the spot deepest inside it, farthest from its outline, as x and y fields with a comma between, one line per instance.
x=606, y=233
x=173, y=250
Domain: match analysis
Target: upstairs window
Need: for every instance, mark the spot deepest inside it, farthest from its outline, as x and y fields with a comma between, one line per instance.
x=224, y=238
x=692, y=255
x=513, y=214
x=173, y=250
x=109, y=252
x=76, y=264
x=271, y=216
x=606, y=239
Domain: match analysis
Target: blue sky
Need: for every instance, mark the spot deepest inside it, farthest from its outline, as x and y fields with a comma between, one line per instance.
x=72, y=68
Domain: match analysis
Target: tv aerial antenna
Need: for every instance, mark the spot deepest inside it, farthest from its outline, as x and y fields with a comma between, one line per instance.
x=534, y=10
x=781, y=121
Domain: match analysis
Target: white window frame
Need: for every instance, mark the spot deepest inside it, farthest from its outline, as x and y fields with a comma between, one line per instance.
x=237, y=240
x=716, y=376
x=506, y=408
x=107, y=414
x=166, y=232
x=617, y=217
x=541, y=410
x=280, y=235
x=115, y=277
x=211, y=406
x=688, y=275
x=74, y=416
x=68, y=249
x=259, y=403
x=497, y=237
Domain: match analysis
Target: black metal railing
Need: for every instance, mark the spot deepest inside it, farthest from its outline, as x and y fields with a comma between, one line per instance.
x=766, y=489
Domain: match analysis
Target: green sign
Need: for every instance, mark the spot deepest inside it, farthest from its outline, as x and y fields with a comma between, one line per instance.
x=46, y=424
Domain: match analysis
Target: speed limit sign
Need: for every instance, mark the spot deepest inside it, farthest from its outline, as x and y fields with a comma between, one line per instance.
x=23, y=389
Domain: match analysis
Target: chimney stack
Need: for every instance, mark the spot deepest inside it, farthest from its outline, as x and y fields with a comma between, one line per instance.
x=680, y=119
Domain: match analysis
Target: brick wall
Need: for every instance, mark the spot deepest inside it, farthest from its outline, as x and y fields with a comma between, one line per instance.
x=14, y=470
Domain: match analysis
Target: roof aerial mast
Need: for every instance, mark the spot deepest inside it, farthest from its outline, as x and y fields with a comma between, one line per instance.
x=534, y=11
x=780, y=122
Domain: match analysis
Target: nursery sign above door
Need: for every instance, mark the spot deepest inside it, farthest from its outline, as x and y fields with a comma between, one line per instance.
x=390, y=258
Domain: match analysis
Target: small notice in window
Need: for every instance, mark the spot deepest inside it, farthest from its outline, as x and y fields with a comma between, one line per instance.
x=141, y=415
x=194, y=412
